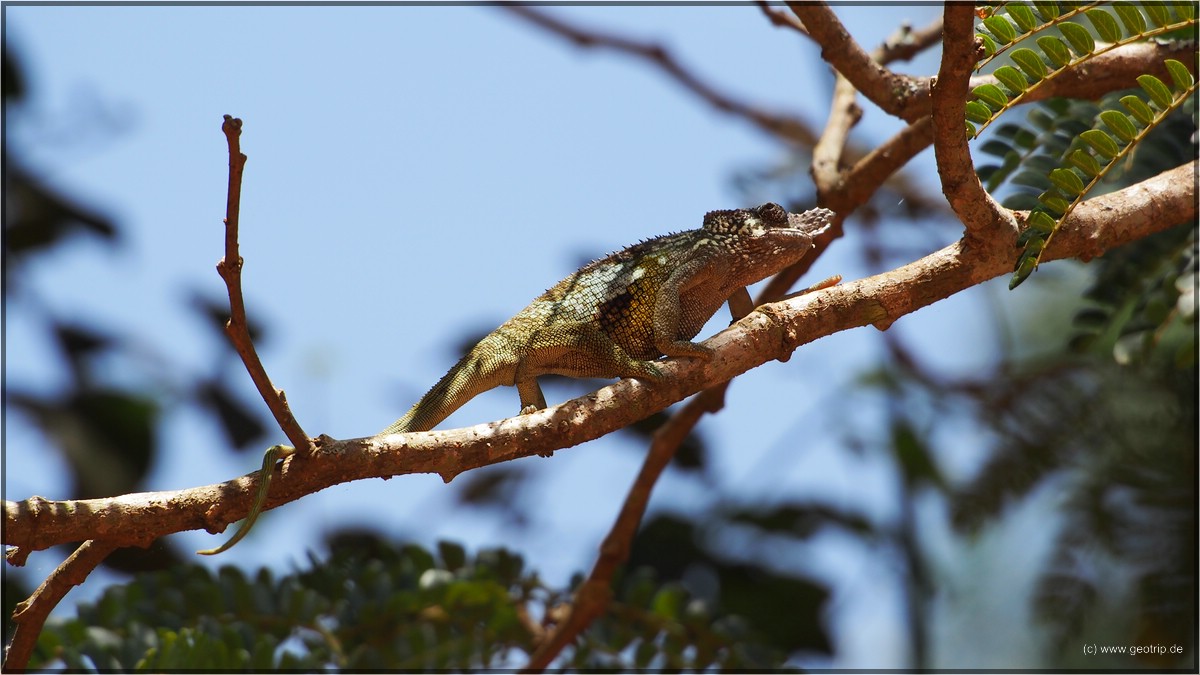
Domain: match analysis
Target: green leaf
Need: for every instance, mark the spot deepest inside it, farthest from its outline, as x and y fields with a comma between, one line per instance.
x=1085, y=162
x=1106, y=26
x=1185, y=10
x=1001, y=27
x=1023, y=16
x=669, y=601
x=1043, y=120
x=1011, y=78
x=1041, y=222
x=978, y=112
x=1030, y=63
x=1067, y=181
x=1025, y=266
x=996, y=148
x=1054, y=202
x=1134, y=22
x=1033, y=179
x=989, y=45
x=991, y=95
x=1035, y=246
x=1079, y=37
x=1138, y=108
x=1055, y=49
x=1118, y=123
x=1047, y=10
x=1025, y=138
x=1029, y=234
x=1159, y=94
x=1180, y=75
x=1101, y=142
x=452, y=554
x=1158, y=12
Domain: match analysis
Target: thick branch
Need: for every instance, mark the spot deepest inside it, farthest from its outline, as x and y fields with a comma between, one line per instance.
x=772, y=333
x=979, y=213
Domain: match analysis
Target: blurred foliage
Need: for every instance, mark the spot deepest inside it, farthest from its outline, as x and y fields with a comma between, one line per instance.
x=373, y=606
x=1117, y=444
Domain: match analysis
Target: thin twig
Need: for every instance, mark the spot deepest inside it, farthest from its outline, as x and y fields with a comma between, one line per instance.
x=906, y=43
x=781, y=19
x=844, y=114
x=30, y=614
x=230, y=269
x=786, y=127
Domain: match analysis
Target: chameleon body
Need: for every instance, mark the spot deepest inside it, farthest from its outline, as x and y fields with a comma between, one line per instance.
x=616, y=316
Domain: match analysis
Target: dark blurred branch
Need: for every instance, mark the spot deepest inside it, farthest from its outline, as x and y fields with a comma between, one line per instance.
x=788, y=128
x=595, y=594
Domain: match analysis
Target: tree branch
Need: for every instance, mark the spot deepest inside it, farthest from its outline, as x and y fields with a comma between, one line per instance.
x=791, y=129
x=230, y=269
x=899, y=95
x=30, y=614
x=979, y=213
x=771, y=333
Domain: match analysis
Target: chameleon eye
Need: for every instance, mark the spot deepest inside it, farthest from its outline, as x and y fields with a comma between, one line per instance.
x=773, y=214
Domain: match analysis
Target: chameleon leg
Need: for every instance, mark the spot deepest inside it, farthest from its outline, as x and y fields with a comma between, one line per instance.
x=740, y=305
x=532, y=398
x=272, y=455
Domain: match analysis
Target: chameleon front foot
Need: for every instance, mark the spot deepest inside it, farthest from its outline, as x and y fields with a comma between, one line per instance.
x=272, y=455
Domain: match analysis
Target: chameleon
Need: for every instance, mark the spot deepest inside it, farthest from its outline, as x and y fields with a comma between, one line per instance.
x=614, y=317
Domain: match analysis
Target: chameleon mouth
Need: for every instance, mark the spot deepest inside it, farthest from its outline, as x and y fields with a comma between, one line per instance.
x=812, y=222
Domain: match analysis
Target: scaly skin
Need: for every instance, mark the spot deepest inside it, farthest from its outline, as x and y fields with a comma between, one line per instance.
x=614, y=317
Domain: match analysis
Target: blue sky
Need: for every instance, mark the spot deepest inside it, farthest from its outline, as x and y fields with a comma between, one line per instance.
x=415, y=174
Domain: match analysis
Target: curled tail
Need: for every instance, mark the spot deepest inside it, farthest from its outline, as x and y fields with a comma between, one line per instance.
x=480, y=370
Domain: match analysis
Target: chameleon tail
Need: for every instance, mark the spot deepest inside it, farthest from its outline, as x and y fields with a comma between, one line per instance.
x=272, y=455
x=468, y=378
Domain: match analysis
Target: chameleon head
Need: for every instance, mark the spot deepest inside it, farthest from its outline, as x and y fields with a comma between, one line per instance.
x=768, y=230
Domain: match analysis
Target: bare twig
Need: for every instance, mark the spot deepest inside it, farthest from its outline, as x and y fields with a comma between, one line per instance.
x=30, y=614
x=977, y=210
x=844, y=114
x=781, y=19
x=230, y=269
x=906, y=43
x=788, y=128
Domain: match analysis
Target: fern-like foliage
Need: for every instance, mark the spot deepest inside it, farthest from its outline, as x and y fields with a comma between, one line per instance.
x=1044, y=40
x=373, y=606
